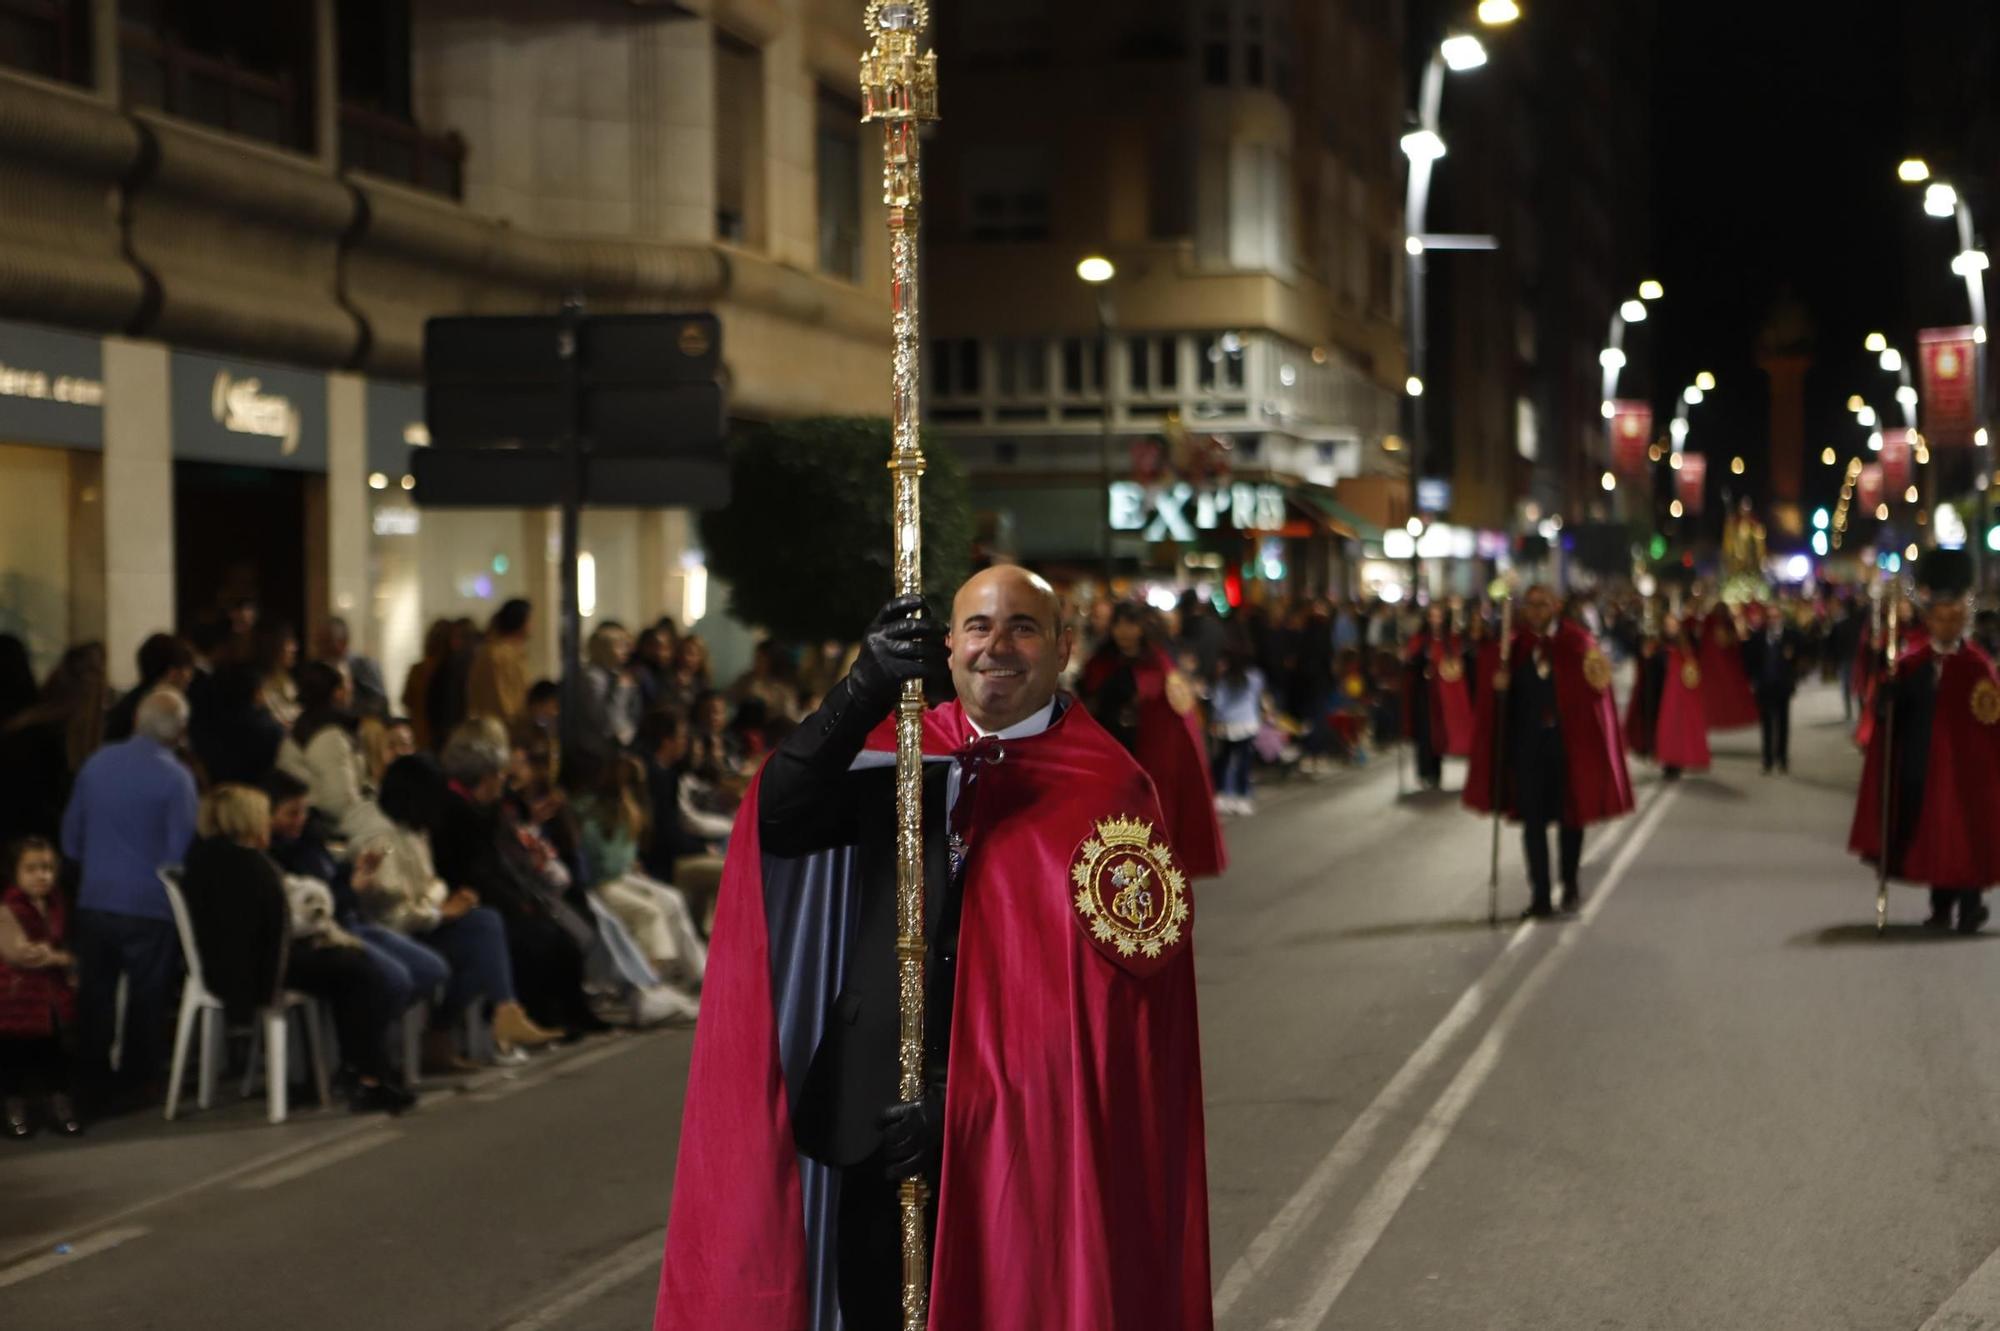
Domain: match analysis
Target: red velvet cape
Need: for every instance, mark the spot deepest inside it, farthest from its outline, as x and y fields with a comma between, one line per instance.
x=1174, y=752
x=1868, y=674
x=1682, y=738
x=1957, y=838
x=1074, y=1188
x=1450, y=699
x=1598, y=786
x=1725, y=684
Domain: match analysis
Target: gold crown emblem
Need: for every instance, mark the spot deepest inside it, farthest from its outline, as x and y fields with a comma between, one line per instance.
x=1129, y=893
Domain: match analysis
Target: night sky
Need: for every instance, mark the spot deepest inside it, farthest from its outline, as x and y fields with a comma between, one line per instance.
x=1777, y=129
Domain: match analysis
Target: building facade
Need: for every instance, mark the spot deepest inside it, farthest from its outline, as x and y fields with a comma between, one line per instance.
x=224, y=229
x=1225, y=406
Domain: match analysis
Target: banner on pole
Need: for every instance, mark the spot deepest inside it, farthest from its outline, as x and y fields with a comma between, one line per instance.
x=1947, y=360
x=1895, y=459
x=1631, y=436
x=1691, y=483
x=1868, y=489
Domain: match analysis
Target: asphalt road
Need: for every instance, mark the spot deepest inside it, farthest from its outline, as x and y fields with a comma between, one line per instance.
x=1715, y=1100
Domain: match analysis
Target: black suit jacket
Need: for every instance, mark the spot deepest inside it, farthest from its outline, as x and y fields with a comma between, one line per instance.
x=1773, y=668
x=810, y=801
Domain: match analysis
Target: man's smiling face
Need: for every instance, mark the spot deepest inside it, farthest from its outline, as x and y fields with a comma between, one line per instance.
x=1008, y=646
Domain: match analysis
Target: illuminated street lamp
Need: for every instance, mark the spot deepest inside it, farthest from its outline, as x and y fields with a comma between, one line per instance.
x=1913, y=171
x=1876, y=342
x=1096, y=269
x=1423, y=146
x=1498, y=13
x=1705, y=382
x=1461, y=52
x=1651, y=290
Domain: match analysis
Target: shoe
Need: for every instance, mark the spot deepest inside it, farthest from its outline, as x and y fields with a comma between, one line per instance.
x=441, y=1057
x=381, y=1098
x=1540, y=910
x=1938, y=919
x=512, y=1029
x=15, y=1122
x=1247, y=807
x=1971, y=916
x=663, y=1005
x=1572, y=901
x=62, y=1116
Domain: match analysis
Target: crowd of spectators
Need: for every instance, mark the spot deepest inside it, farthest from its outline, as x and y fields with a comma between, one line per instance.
x=438, y=858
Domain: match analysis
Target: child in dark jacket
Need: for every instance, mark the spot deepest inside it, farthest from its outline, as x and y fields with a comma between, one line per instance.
x=37, y=993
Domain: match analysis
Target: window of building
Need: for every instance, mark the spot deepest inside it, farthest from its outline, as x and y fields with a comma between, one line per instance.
x=49, y=38
x=1083, y=366
x=1023, y=367
x=954, y=367
x=243, y=66
x=1219, y=361
x=1007, y=193
x=739, y=142
x=1007, y=35
x=378, y=128
x=837, y=166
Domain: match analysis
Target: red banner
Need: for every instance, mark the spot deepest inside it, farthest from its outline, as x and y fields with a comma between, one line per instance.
x=1868, y=489
x=1947, y=359
x=1895, y=459
x=1691, y=483
x=1631, y=436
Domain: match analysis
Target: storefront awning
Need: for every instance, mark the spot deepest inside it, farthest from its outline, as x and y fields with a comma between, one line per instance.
x=1342, y=519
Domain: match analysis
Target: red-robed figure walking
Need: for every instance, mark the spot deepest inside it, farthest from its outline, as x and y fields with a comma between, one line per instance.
x=1727, y=699
x=1061, y=1130
x=1437, y=701
x=1665, y=719
x=1942, y=704
x=1549, y=704
x=1133, y=690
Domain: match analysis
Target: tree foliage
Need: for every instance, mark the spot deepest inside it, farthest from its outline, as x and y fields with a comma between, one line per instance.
x=805, y=542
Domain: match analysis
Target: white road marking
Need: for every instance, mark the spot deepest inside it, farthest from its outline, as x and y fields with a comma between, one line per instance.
x=310, y=1161
x=102, y=1241
x=1976, y=1305
x=1305, y=1205
x=599, y=1278
x=1357, y=1238
x=533, y=1075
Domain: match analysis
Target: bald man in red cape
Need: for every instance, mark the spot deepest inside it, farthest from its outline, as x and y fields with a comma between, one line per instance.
x=1945, y=702
x=1062, y=1127
x=1563, y=762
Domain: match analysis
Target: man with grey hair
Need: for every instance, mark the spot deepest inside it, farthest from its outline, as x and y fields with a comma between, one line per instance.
x=131, y=811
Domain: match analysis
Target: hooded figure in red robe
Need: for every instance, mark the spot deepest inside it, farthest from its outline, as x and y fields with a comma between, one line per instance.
x=1547, y=735
x=1061, y=1126
x=1943, y=771
x=1680, y=733
x=1133, y=690
x=1726, y=695
x=1437, y=702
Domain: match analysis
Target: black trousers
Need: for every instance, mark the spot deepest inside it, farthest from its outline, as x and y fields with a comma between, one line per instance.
x=1430, y=763
x=1968, y=900
x=363, y=1003
x=871, y=1247
x=1535, y=837
x=1774, y=718
x=42, y=1065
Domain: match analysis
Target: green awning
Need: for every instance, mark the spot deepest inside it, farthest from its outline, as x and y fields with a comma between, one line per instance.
x=1339, y=516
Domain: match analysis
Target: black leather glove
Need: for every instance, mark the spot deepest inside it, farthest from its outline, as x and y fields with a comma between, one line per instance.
x=903, y=643
x=913, y=1136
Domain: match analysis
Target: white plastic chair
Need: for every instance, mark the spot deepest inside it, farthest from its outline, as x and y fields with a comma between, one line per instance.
x=271, y=1025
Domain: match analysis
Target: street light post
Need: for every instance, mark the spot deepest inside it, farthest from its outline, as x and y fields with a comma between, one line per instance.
x=1098, y=272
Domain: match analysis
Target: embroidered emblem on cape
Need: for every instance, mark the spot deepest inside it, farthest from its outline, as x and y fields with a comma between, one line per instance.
x=1596, y=670
x=1985, y=702
x=1180, y=694
x=1129, y=892
x=1690, y=674
x=1451, y=670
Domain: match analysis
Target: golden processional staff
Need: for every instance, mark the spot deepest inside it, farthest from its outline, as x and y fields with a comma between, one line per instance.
x=899, y=90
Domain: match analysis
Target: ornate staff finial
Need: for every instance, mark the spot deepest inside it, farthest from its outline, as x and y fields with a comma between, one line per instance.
x=899, y=90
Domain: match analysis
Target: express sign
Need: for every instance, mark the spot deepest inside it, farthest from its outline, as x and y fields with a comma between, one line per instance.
x=1178, y=512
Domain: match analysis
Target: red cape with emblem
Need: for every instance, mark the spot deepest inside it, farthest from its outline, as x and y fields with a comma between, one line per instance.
x=1726, y=695
x=1174, y=753
x=1598, y=786
x=1450, y=694
x=1682, y=738
x=1074, y=1194
x=1956, y=841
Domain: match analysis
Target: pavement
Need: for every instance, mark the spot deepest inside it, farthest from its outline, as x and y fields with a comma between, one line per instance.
x=1714, y=1100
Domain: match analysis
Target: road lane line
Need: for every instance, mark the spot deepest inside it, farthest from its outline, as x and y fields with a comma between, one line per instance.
x=102, y=1241
x=594, y=1281
x=1358, y=1237
x=531, y=1076
x=310, y=1161
x=1353, y=1145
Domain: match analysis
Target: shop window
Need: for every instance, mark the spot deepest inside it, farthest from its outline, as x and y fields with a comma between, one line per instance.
x=48, y=38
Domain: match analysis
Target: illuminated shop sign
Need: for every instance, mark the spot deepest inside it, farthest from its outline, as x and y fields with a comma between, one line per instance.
x=241, y=406
x=248, y=413
x=1180, y=511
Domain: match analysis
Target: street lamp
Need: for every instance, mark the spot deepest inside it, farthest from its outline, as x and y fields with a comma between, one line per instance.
x=1651, y=290
x=1913, y=170
x=1498, y=13
x=1462, y=51
x=1097, y=272
x=1423, y=146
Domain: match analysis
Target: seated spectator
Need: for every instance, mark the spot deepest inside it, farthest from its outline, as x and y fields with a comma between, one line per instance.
x=613, y=695
x=400, y=891
x=163, y=659
x=235, y=737
x=771, y=679
x=261, y=933
x=688, y=679
x=133, y=810
x=652, y=661
x=478, y=847
x=382, y=742
x=614, y=823
x=321, y=750
x=44, y=746
x=685, y=847
x=276, y=656
x=413, y=973
x=37, y=993
x=364, y=677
